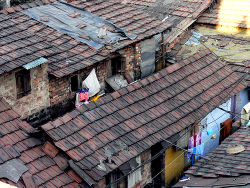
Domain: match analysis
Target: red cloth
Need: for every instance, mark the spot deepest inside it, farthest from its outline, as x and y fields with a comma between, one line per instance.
x=83, y=96
x=225, y=131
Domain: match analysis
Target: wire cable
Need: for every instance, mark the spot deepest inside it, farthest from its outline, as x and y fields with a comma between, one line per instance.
x=163, y=150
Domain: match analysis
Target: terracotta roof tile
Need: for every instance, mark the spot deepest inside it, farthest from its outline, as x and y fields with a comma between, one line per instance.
x=23, y=39
x=153, y=110
x=15, y=143
x=221, y=164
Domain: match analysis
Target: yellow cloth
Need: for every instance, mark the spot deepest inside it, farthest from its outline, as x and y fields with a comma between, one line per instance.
x=95, y=98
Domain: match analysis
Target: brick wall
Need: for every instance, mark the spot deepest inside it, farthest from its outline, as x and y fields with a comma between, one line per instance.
x=34, y=102
x=56, y=99
x=59, y=90
x=146, y=169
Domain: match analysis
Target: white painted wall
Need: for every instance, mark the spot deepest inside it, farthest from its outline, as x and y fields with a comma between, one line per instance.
x=214, y=119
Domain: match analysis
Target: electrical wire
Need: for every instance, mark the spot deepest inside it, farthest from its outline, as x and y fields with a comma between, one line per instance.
x=167, y=166
x=163, y=150
x=183, y=153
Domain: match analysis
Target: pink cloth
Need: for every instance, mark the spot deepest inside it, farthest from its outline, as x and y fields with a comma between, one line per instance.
x=83, y=96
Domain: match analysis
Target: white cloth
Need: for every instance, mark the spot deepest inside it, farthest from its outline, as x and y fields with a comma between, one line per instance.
x=135, y=177
x=245, y=114
x=92, y=83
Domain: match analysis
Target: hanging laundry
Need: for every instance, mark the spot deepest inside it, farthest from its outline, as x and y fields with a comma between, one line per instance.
x=92, y=83
x=210, y=132
x=191, y=142
x=199, y=151
x=83, y=94
x=197, y=139
x=225, y=129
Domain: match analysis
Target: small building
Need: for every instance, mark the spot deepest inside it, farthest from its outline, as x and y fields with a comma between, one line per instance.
x=135, y=136
x=181, y=13
x=227, y=166
x=27, y=161
x=44, y=61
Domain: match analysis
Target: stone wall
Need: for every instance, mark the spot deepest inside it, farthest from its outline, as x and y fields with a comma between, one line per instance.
x=38, y=98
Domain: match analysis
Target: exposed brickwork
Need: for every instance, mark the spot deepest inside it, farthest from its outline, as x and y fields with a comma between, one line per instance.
x=141, y=114
x=61, y=98
x=37, y=100
x=146, y=169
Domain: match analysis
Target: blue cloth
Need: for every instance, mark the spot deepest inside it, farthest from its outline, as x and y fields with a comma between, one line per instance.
x=83, y=90
x=199, y=151
x=210, y=132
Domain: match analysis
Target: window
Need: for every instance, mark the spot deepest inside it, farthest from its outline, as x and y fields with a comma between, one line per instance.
x=23, y=83
x=116, y=66
x=74, y=83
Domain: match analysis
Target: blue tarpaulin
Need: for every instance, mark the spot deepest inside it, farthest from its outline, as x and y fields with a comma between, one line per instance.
x=35, y=63
x=84, y=27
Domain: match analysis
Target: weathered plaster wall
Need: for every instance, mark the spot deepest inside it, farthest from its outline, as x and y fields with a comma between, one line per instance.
x=174, y=165
x=146, y=169
x=213, y=120
x=37, y=100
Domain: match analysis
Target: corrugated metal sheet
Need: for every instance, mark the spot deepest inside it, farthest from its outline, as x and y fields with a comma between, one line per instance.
x=35, y=63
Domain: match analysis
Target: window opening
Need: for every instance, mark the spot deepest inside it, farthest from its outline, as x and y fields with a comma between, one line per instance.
x=23, y=83
x=116, y=65
x=74, y=83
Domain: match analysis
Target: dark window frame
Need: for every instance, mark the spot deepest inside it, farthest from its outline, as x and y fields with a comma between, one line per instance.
x=117, y=66
x=77, y=85
x=23, y=83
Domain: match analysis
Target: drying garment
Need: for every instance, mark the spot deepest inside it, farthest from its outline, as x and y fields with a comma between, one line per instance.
x=245, y=114
x=199, y=151
x=83, y=96
x=210, y=132
x=191, y=142
x=92, y=83
x=197, y=139
x=225, y=131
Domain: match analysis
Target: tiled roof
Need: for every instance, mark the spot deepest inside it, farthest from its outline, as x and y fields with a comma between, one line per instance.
x=228, y=13
x=177, y=10
x=223, y=165
x=23, y=39
x=15, y=143
x=143, y=113
x=242, y=69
